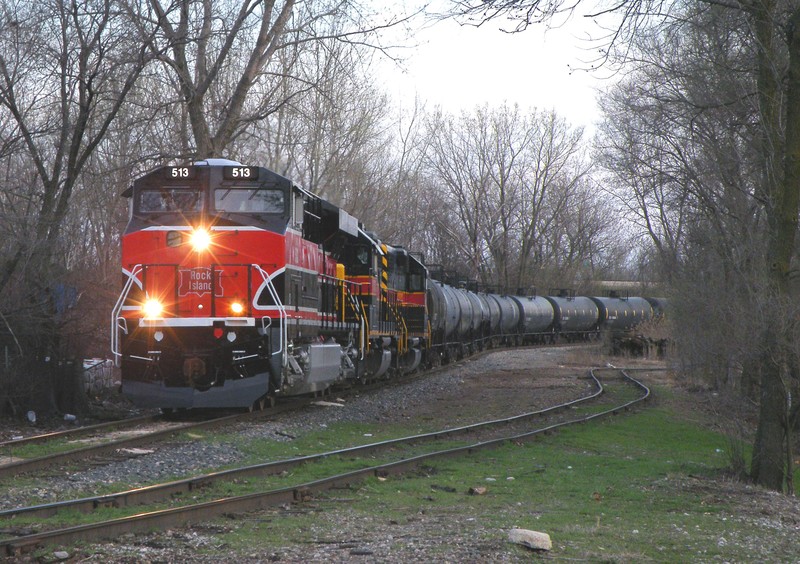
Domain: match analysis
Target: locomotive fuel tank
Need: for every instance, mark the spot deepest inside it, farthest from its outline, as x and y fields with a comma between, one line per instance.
x=575, y=314
x=536, y=314
x=622, y=314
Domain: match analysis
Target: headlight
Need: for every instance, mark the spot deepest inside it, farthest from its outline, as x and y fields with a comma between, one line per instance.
x=152, y=308
x=237, y=308
x=200, y=239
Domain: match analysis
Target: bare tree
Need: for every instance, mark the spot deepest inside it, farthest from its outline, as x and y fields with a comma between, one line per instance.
x=334, y=138
x=551, y=172
x=202, y=43
x=581, y=246
x=636, y=154
x=698, y=137
x=415, y=201
x=514, y=182
x=505, y=151
x=236, y=62
x=458, y=160
x=66, y=69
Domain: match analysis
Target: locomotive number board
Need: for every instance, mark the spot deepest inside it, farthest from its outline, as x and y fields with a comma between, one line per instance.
x=180, y=172
x=228, y=172
x=240, y=173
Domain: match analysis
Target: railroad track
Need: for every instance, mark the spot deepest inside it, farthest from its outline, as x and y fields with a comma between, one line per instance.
x=105, y=447
x=78, y=431
x=177, y=516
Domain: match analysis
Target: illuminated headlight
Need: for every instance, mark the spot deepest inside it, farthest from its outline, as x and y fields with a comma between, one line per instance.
x=152, y=308
x=200, y=239
x=237, y=308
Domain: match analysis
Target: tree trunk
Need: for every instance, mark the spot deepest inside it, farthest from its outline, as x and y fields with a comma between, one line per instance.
x=769, y=464
x=767, y=468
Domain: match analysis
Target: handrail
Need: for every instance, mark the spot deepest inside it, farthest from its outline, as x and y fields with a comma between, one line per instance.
x=358, y=310
x=282, y=329
x=402, y=345
x=115, y=318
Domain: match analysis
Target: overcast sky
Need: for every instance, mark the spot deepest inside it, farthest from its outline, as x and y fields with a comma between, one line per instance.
x=459, y=67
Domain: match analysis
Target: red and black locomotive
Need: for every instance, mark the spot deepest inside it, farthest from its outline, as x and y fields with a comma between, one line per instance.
x=240, y=286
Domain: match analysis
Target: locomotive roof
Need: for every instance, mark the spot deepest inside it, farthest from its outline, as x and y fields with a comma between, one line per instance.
x=265, y=174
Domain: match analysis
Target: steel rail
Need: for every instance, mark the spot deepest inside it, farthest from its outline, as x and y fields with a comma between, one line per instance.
x=182, y=515
x=78, y=431
x=32, y=464
x=148, y=494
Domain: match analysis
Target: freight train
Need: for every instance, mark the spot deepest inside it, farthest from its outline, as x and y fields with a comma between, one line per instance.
x=239, y=286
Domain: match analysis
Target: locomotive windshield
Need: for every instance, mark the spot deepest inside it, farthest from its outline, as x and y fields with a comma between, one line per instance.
x=170, y=200
x=251, y=200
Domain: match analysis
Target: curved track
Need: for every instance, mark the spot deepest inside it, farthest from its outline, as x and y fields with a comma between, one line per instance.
x=181, y=515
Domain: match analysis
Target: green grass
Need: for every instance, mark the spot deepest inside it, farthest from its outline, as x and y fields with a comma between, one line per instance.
x=38, y=450
x=607, y=491
x=342, y=435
